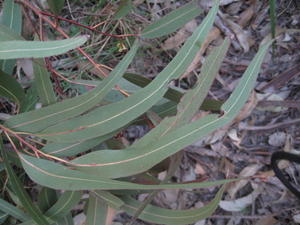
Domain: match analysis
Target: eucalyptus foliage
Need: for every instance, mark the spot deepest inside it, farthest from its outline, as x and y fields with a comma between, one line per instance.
x=75, y=127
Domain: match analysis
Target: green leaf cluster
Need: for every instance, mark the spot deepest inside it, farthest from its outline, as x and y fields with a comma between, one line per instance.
x=73, y=128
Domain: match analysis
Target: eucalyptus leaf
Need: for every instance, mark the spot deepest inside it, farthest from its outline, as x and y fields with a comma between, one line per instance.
x=172, y=21
x=37, y=120
x=38, y=49
x=43, y=82
x=110, y=117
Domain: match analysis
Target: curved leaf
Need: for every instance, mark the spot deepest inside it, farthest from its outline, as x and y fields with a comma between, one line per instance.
x=13, y=211
x=121, y=163
x=113, y=116
x=43, y=82
x=56, y=176
x=38, y=49
x=37, y=120
x=23, y=196
x=11, y=89
x=172, y=21
x=159, y=215
x=12, y=19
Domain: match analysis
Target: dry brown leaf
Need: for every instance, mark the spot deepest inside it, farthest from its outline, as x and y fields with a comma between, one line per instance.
x=199, y=170
x=110, y=215
x=247, y=109
x=212, y=35
x=246, y=172
x=267, y=220
x=246, y=16
x=180, y=36
x=241, y=35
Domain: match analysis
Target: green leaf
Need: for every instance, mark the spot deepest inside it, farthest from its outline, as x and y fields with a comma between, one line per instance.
x=46, y=198
x=109, y=198
x=12, y=19
x=56, y=176
x=11, y=89
x=3, y=217
x=97, y=211
x=72, y=149
x=122, y=163
x=172, y=21
x=23, y=196
x=12, y=16
x=159, y=215
x=56, y=6
x=7, y=34
x=13, y=211
x=67, y=201
x=110, y=117
x=38, y=49
x=43, y=82
x=34, y=121
x=124, y=8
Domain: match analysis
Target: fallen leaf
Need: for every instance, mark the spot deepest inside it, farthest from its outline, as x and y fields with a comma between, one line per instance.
x=246, y=172
x=239, y=204
x=212, y=35
x=180, y=36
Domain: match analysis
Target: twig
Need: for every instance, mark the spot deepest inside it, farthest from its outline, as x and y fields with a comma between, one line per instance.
x=270, y=127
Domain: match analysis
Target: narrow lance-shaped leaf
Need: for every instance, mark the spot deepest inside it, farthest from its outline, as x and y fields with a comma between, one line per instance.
x=11, y=89
x=172, y=21
x=121, y=163
x=23, y=196
x=3, y=216
x=192, y=100
x=38, y=49
x=58, y=211
x=43, y=82
x=13, y=211
x=6, y=34
x=37, y=120
x=110, y=117
x=159, y=215
x=67, y=201
x=46, y=198
x=56, y=176
x=12, y=19
x=124, y=8
x=98, y=212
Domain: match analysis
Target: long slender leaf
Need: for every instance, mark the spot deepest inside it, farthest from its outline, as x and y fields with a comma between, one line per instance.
x=53, y=175
x=109, y=198
x=3, y=217
x=124, y=8
x=23, y=196
x=113, y=116
x=7, y=34
x=172, y=21
x=38, y=49
x=97, y=211
x=13, y=211
x=120, y=163
x=192, y=100
x=37, y=120
x=46, y=198
x=65, y=203
x=158, y=215
x=12, y=19
x=12, y=16
x=43, y=82
x=11, y=89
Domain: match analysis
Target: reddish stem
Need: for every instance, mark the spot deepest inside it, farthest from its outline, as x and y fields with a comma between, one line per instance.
x=88, y=27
